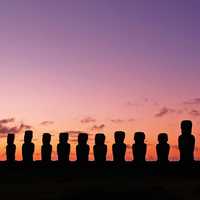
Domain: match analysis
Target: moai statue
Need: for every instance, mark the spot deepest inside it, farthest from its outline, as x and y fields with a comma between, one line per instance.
x=119, y=148
x=186, y=143
x=162, y=149
x=82, y=149
x=28, y=147
x=10, y=148
x=100, y=149
x=139, y=148
x=46, y=147
x=63, y=148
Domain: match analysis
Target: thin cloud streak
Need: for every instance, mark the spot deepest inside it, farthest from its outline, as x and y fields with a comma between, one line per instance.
x=5, y=128
x=194, y=113
x=46, y=123
x=194, y=101
x=98, y=127
x=87, y=120
x=7, y=120
x=117, y=120
x=164, y=111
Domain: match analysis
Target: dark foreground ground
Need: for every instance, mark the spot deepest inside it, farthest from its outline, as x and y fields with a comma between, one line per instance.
x=110, y=182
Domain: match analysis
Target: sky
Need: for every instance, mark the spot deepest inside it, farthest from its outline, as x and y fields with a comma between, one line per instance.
x=99, y=66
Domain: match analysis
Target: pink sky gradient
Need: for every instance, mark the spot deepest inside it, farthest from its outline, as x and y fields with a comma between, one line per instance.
x=119, y=63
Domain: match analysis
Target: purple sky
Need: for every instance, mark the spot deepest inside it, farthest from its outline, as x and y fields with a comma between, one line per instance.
x=109, y=60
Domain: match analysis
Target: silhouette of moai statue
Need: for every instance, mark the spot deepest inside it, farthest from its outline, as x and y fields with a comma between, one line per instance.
x=186, y=143
x=162, y=149
x=100, y=149
x=46, y=147
x=139, y=148
x=63, y=148
x=82, y=149
x=28, y=147
x=119, y=148
x=10, y=148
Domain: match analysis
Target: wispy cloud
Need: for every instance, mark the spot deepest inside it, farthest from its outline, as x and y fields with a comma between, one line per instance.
x=87, y=120
x=164, y=111
x=73, y=135
x=131, y=120
x=25, y=126
x=117, y=120
x=130, y=103
x=4, y=129
x=194, y=101
x=194, y=113
x=146, y=99
x=46, y=123
x=7, y=120
x=98, y=127
x=141, y=102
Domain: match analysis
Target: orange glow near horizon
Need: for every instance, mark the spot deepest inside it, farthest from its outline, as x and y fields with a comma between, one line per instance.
x=151, y=141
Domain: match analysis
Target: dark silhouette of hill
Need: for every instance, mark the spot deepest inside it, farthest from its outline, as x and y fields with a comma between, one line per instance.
x=90, y=181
